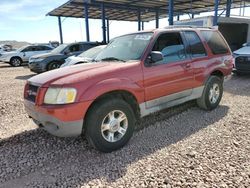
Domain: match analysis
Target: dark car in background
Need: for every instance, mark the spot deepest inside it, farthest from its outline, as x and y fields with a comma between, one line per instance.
x=54, y=59
x=242, y=59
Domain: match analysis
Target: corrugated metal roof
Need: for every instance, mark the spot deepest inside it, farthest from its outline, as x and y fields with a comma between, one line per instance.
x=127, y=10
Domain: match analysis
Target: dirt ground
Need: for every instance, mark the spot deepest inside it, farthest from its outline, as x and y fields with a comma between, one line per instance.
x=179, y=147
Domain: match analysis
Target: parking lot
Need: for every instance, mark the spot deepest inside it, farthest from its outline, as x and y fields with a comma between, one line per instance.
x=179, y=147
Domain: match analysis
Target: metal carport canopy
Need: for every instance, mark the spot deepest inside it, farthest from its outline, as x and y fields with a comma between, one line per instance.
x=139, y=10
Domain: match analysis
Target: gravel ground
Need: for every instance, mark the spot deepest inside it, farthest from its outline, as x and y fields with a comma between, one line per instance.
x=180, y=147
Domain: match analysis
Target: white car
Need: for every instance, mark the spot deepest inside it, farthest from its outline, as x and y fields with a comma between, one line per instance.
x=16, y=58
x=242, y=59
x=5, y=48
x=84, y=57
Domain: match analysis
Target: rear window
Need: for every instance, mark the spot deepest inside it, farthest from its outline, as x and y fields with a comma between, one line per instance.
x=215, y=42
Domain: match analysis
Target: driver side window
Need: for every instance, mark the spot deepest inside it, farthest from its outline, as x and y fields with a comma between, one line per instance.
x=74, y=48
x=171, y=46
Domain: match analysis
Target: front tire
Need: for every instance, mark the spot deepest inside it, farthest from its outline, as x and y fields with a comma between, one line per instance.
x=110, y=124
x=53, y=65
x=212, y=94
x=16, y=62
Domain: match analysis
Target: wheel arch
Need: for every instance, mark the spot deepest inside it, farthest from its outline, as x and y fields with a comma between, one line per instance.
x=218, y=73
x=121, y=94
x=16, y=57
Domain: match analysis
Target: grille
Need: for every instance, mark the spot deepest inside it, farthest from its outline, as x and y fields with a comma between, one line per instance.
x=31, y=93
x=242, y=63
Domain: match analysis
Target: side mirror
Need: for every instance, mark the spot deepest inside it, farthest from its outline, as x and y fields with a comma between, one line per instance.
x=67, y=52
x=244, y=45
x=155, y=56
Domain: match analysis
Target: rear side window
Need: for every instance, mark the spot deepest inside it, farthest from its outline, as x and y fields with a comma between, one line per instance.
x=196, y=48
x=215, y=42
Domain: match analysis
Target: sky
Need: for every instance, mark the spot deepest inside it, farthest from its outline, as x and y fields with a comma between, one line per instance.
x=26, y=20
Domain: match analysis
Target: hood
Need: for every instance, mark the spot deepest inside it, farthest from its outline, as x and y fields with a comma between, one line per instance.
x=72, y=60
x=9, y=53
x=78, y=73
x=45, y=55
x=243, y=51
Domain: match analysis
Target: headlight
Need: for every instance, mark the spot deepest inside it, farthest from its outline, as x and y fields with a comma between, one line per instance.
x=36, y=60
x=60, y=96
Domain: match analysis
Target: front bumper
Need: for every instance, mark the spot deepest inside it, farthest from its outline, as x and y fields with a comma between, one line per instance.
x=37, y=67
x=242, y=64
x=53, y=125
x=4, y=59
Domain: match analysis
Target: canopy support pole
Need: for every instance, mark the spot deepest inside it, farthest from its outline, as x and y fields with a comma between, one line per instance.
x=60, y=29
x=157, y=19
x=86, y=12
x=139, y=20
x=103, y=23
x=216, y=7
x=108, y=34
x=171, y=12
x=228, y=10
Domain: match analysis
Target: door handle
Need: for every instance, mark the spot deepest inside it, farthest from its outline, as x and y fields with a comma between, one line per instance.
x=187, y=66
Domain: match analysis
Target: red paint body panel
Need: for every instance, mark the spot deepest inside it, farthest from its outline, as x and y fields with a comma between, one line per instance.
x=145, y=83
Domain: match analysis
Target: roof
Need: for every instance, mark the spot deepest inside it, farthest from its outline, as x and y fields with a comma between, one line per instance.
x=127, y=10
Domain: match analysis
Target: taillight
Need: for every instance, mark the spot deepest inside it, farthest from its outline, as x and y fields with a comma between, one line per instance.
x=25, y=93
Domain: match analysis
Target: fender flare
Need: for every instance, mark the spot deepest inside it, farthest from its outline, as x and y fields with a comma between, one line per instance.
x=111, y=85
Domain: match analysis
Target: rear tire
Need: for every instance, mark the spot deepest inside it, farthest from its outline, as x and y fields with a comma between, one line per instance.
x=109, y=124
x=212, y=94
x=16, y=61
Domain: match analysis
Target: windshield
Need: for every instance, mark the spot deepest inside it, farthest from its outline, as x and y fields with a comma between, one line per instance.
x=92, y=53
x=59, y=49
x=125, y=48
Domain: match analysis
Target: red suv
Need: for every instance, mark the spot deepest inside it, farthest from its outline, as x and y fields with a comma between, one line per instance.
x=135, y=75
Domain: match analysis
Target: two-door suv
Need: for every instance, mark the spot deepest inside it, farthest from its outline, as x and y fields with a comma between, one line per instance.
x=135, y=75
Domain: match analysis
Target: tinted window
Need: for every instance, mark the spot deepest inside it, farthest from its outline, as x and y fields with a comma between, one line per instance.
x=215, y=42
x=74, y=48
x=44, y=48
x=29, y=49
x=85, y=47
x=196, y=48
x=171, y=46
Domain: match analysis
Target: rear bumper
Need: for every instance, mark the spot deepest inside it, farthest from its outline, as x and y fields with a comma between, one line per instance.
x=53, y=125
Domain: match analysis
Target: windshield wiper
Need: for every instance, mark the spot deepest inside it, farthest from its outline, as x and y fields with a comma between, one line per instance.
x=112, y=59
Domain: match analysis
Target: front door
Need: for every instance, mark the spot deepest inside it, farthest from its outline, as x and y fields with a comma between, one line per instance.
x=171, y=78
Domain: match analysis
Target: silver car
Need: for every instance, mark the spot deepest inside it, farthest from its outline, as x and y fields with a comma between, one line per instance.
x=22, y=55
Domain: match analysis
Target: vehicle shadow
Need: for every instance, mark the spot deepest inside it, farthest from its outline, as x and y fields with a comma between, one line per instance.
x=6, y=65
x=35, y=156
x=26, y=77
x=238, y=85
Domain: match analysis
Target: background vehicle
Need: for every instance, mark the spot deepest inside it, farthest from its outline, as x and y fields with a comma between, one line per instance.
x=242, y=59
x=135, y=75
x=5, y=48
x=54, y=59
x=84, y=57
x=16, y=58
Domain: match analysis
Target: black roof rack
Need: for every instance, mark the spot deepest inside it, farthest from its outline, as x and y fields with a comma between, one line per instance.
x=187, y=26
